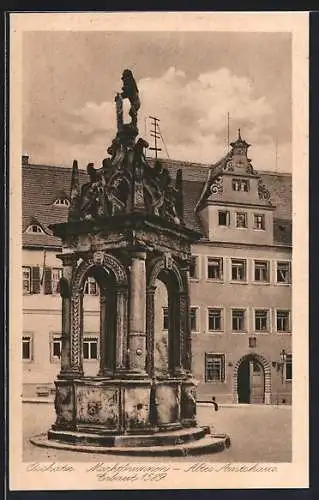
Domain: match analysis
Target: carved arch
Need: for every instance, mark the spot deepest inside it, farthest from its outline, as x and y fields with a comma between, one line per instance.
x=108, y=261
x=267, y=371
x=158, y=265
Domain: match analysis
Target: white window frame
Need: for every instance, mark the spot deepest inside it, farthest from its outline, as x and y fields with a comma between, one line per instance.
x=240, y=182
x=227, y=213
x=89, y=337
x=221, y=268
x=29, y=279
x=283, y=332
x=55, y=337
x=220, y=355
x=283, y=283
x=35, y=229
x=263, y=222
x=197, y=267
x=222, y=316
x=61, y=202
x=197, y=313
x=261, y=282
x=246, y=220
x=245, y=329
x=60, y=271
x=27, y=335
x=90, y=281
x=268, y=321
x=245, y=268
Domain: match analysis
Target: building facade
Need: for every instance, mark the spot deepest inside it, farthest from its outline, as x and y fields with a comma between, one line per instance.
x=240, y=281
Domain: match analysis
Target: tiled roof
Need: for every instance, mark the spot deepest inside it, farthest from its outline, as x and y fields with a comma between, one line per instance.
x=43, y=184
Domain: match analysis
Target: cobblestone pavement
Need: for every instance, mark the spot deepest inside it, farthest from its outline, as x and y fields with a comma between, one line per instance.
x=258, y=434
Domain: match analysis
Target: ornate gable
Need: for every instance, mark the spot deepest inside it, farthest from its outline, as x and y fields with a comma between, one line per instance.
x=234, y=180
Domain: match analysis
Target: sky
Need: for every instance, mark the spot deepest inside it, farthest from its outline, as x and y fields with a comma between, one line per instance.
x=189, y=80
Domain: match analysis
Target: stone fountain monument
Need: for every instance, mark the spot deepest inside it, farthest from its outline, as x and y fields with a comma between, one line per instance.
x=126, y=229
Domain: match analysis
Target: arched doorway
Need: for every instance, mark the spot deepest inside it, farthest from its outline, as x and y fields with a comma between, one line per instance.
x=251, y=381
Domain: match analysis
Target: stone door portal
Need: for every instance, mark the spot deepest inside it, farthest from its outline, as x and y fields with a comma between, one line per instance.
x=251, y=381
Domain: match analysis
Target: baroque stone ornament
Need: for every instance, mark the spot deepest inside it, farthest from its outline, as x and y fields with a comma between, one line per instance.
x=263, y=192
x=217, y=186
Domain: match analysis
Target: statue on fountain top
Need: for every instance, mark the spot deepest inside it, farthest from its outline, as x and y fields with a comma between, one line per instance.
x=126, y=182
x=130, y=91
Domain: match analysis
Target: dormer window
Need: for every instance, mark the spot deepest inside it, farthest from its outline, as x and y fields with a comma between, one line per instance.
x=61, y=202
x=240, y=185
x=35, y=229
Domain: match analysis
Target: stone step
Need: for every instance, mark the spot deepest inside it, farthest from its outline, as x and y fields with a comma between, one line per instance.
x=174, y=437
x=210, y=443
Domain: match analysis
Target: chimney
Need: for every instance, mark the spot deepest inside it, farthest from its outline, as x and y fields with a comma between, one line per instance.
x=25, y=159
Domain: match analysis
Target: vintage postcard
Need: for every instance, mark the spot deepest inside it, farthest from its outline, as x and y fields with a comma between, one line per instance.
x=158, y=251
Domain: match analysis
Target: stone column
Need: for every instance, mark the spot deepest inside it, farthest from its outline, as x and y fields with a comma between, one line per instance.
x=121, y=328
x=137, y=297
x=76, y=334
x=186, y=328
x=150, y=330
x=69, y=262
x=174, y=334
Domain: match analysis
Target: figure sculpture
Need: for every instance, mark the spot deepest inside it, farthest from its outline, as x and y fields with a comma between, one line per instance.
x=130, y=91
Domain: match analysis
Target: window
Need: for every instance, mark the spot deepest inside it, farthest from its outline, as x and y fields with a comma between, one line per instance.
x=27, y=348
x=214, y=268
x=52, y=276
x=61, y=202
x=261, y=271
x=223, y=218
x=238, y=320
x=56, y=347
x=26, y=279
x=90, y=287
x=240, y=185
x=241, y=220
x=56, y=276
x=35, y=228
x=193, y=268
x=214, y=367
x=238, y=270
x=288, y=367
x=31, y=279
x=283, y=272
x=193, y=319
x=214, y=319
x=261, y=320
x=165, y=318
x=259, y=221
x=89, y=348
x=283, y=321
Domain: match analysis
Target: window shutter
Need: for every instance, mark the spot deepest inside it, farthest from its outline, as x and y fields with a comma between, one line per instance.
x=47, y=281
x=35, y=279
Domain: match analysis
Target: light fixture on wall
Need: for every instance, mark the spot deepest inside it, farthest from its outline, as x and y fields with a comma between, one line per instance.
x=280, y=365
